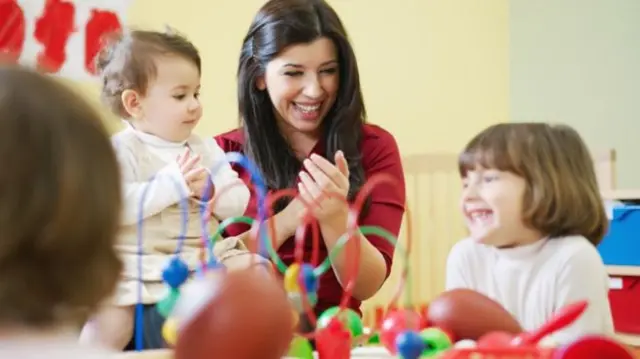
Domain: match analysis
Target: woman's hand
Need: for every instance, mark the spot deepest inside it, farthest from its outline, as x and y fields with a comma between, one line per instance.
x=324, y=177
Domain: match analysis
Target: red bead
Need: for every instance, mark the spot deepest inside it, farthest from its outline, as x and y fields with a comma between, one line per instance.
x=333, y=341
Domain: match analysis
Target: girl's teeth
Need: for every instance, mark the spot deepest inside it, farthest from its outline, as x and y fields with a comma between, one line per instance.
x=481, y=216
x=305, y=108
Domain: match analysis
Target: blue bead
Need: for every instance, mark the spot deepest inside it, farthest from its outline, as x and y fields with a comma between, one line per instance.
x=309, y=278
x=176, y=273
x=410, y=345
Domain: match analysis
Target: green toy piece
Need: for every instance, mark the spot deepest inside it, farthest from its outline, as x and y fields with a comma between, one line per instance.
x=436, y=342
x=374, y=339
x=165, y=306
x=348, y=317
x=300, y=348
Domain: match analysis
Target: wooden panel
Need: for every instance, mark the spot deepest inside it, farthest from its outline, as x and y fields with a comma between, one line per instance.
x=433, y=191
x=605, y=167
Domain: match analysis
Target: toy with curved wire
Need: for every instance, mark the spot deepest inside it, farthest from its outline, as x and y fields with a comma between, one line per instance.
x=176, y=273
x=301, y=279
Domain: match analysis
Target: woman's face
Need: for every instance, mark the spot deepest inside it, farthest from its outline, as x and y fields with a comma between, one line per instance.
x=302, y=82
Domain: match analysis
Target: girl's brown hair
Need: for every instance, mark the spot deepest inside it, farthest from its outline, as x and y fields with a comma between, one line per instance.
x=562, y=196
x=60, y=206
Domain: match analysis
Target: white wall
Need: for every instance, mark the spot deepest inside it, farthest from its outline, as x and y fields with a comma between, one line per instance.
x=578, y=62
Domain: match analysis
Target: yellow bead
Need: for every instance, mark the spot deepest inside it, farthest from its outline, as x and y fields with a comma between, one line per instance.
x=291, y=278
x=170, y=331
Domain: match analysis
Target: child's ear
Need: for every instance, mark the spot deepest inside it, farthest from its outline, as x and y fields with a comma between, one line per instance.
x=260, y=83
x=131, y=102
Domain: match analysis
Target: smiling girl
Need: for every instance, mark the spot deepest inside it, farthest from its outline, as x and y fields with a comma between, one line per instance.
x=535, y=215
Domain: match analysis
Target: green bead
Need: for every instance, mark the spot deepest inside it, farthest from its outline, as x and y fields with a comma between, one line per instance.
x=436, y=341
x=374, y=339
x=300, y=348
x=166, y=305
x=348, y=317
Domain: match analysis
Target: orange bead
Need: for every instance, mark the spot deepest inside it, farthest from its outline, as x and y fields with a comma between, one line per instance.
x=296, y=319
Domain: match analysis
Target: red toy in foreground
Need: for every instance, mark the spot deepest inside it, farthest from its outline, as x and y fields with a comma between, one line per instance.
x=468, y=314
x=463, y=314
x=500, y=344
x=247, y=316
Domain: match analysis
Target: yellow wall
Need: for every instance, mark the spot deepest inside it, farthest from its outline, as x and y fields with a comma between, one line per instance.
x=434, y=72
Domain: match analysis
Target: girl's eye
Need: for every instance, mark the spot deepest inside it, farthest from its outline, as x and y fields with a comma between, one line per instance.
x=178, y=97
x=489, y=178
x=293, y=73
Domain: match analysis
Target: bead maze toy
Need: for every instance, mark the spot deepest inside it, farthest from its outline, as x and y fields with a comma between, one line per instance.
x=254, y=313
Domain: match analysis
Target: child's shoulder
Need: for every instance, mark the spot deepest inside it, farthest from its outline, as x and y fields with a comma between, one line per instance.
x=123, y=136
x=469, y=249
x=571, y=245
x=575, y=250
x=124, y=145
x=207, y=144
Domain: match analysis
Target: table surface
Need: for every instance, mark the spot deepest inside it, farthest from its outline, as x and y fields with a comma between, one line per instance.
x=368, y=353
x=360, y=353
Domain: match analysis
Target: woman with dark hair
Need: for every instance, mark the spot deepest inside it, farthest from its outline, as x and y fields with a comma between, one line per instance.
x=303, y=125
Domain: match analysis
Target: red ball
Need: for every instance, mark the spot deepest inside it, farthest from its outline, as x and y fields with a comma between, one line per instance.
x=470, y=315
x=396, y=322
x=333, y=341
x=248, y=316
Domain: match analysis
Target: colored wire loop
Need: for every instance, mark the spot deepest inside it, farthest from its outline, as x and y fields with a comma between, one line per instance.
x=183, y=204
x=263, y=234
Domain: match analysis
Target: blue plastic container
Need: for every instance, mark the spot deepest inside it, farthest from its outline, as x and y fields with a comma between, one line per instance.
x=621, y=245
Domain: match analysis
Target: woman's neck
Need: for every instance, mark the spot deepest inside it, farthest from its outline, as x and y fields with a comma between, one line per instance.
x=302, y=143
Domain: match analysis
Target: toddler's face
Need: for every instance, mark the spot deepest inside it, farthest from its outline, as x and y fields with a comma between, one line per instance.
x=492, y=207
x=171, y=106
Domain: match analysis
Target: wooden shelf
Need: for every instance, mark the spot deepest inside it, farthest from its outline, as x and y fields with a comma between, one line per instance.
x=621, y=194
x=624, y=271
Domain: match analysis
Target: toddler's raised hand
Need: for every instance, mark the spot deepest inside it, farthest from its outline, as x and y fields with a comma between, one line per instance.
x=190, y=167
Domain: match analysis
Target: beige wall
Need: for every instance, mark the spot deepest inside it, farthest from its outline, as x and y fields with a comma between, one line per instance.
x=578, y=62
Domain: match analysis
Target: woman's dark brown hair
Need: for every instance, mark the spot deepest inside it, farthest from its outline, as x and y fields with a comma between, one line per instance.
x=60, y=204
x=280, y=24
x=562, y=196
